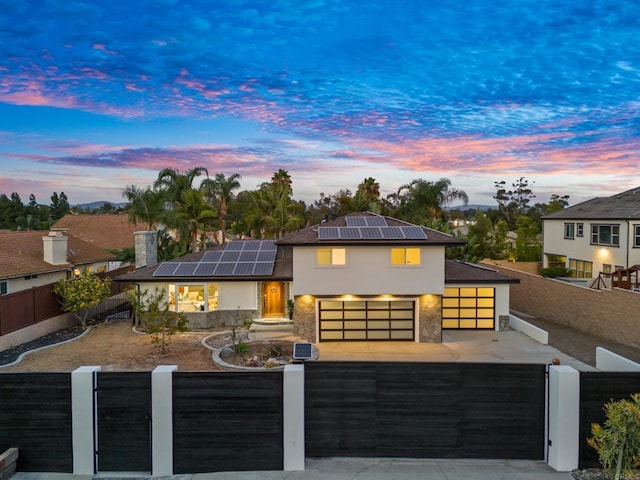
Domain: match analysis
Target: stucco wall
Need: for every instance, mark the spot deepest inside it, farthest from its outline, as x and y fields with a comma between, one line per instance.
x=611, y=314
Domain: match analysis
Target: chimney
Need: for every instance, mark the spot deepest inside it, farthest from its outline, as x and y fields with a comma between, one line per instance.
x=55, y=248
x=146, y=245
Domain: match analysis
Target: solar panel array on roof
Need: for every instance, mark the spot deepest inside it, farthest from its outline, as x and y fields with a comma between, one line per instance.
x=371, y=233
x=239, y=258
x=363, y=221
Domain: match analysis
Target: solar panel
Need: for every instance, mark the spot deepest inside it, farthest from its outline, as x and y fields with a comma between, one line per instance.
x=205, y=269
x=234, y=245
x=350, y=233
x=225, y=268
x=186, y=268
x=251, y=245
x=165, y=269
x=230, y=256
x=375, y=221
x=356, y=221
x=414, y=233
x=328, y=233
x=268, y=245
x=392, y=233
x=243, y=268
x=263, y=268
x=266, y=257
x=211, y=256
x=248, y=257
x=370, y=233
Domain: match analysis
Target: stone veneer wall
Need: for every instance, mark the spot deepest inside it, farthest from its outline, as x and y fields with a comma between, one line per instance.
x=430, y=319
x=220, y=318
x=429, y=323
x=611, y=314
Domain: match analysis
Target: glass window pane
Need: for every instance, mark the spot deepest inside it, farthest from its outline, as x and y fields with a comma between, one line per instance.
x=485, y=302
x=355, y=305
x=401, y=305
x=468, y=323
x=485, y=292
x=401, y=314
x=356, y=314
x=331, y=325
x=449, y=302
x=451, y=292
x=355, y=335
x=401, y=324
x=378, y=334
x=450, y=323
x=338, y=256
x=401, y=335
x=467, y=292
x=378, y=314
x=485, y=312
x=450, y=313
x=330, y=315
x=413, y=256
x=329, y=305
x=397, y=256
x=378, y=324
x=378, y=305
x=335, y=335
x=324, y=256
x=485, y=323
x=355, y=325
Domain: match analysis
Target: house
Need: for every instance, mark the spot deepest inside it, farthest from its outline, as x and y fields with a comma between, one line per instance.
x=36, y=258
x=109, y=232
x=599, y=235
x=358, y=277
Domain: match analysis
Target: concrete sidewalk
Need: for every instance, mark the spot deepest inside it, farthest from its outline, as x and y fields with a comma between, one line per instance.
x=361, y=469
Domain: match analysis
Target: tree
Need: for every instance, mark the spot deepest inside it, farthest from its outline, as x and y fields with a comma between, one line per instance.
x=484, y=240
x=59, y=206
x=515, y=201
x=219, y=192
x=79, y=295
x=145, y=205
x=152, y=310
x=528, y=248
x=423, y=200
x=618, y=442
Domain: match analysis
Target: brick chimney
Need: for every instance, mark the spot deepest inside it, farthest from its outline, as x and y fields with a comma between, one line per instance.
x=146, y=246
x=55, y=248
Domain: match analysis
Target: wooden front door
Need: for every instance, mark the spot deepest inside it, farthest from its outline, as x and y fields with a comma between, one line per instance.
x=273, y=299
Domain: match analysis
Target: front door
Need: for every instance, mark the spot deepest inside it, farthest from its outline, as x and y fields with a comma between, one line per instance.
x=273, y=299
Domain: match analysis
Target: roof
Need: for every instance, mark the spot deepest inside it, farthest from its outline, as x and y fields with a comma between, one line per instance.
x=462, y=272
x=22, y=253
x=309, y=235
x=109, y=232
x=282, y=268
x=622, y=206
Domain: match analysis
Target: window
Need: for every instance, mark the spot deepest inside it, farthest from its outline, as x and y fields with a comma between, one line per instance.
x=580, y=268
x=569, y=230
x=30, y=277
x=468, y=307
x=193, y=298
x=331, y=256
x=602, y=234
x=405, y=256
x=636, y=236
x=3, y=288
x=606, y=268
x=579, y=229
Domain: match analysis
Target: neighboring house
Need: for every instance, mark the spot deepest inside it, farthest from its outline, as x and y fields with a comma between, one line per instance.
x=109, y=232
x=36, y=258
x=599, y=235
x=358, y=277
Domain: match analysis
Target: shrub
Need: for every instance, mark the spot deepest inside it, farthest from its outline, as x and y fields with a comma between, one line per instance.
x=618, y=442
x=553, y=272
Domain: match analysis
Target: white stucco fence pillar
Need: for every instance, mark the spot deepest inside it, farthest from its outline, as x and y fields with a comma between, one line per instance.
x=564, y=417
x=83, y=423
x=608, y=361
x=293, y=412
x=162, y=420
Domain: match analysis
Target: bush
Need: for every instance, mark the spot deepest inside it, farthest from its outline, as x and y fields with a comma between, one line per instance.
x=553, y=272
x=618, y=442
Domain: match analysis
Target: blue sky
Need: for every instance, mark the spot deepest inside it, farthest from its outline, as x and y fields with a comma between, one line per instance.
x=98, y=95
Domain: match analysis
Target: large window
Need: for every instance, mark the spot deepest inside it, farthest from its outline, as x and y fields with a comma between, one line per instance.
x=193, y=298
x=405, y=256
x=603, y=234
x=331, y=256
x=569, y=231
x=580, y=268
x=636, y=236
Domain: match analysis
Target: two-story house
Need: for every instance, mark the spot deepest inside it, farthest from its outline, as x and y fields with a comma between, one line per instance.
x=358, y=277
x=599, y=235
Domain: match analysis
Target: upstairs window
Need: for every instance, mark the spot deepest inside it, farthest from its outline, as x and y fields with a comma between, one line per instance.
x=569, y=231
x=405, y=256
x=331, y=256
x=636, y=236
x=579, y=229
x=603, y=234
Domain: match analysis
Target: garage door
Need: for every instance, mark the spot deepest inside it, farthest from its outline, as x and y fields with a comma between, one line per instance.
x=366, y=320
x=468, y=307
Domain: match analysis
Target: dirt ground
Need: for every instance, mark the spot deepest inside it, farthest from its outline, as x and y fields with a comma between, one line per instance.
x=115, y=346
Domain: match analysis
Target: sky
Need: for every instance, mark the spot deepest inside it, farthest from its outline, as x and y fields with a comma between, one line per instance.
x=97, y=95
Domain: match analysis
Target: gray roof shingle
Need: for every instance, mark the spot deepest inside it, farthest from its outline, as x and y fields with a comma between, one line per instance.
x=622, y=206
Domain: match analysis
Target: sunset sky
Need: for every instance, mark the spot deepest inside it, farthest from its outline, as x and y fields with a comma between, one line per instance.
x=98, y=95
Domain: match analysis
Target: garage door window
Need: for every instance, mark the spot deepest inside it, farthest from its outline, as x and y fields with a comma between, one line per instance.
x=366, y=320
x=468, y=307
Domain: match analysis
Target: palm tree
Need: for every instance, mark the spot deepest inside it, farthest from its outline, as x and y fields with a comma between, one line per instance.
x=144, y=205
x=423, y=200
x=219, y=192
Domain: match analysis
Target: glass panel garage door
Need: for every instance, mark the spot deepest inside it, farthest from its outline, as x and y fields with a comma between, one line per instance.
x=366, y=320
x=468, y=307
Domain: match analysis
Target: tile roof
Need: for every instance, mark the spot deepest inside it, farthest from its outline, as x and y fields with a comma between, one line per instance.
x=21, y=253
x=462, y=272
x=110, y=232
x=309, y=235
x=622, y=206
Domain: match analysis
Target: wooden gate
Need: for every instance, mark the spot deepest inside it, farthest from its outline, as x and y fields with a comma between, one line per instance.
x=124, y=421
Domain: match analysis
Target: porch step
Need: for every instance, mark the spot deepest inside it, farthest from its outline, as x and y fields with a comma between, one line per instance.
x=271, y=325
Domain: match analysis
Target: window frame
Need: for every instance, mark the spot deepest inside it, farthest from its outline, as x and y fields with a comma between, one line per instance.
x=569, y=231
x=334, y=257
x=4, y=287
x=636, y=236
x=614, y=234
x=180, y=291
x=404, y=253
x=579, y=229
x=576, y=272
